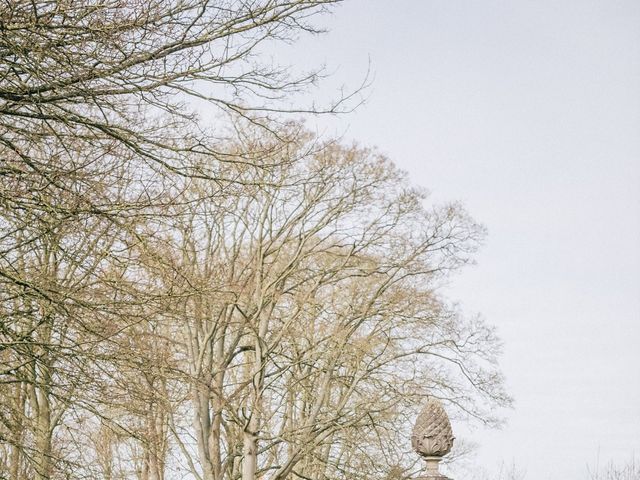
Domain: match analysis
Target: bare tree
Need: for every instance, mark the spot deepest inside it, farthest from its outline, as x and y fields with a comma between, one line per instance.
x=93, y=126
x=116, y=74
x=310, y=318
x=179, y=303
x=49, y=329
x=85, y=84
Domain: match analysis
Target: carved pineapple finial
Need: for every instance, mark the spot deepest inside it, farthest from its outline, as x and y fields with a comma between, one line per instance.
x=432, y=437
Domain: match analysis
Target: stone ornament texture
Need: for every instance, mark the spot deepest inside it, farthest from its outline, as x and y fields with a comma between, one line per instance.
x=432, y=435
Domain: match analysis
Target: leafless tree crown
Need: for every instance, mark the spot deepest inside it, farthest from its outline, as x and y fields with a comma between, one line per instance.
x=261, y=303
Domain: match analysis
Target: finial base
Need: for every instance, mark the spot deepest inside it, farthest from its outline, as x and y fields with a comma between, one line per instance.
x=432, y=472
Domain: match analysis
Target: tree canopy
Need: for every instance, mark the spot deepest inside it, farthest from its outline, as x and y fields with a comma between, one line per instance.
x=178, y=304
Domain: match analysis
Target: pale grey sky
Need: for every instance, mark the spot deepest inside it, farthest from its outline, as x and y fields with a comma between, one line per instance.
x=529, y=113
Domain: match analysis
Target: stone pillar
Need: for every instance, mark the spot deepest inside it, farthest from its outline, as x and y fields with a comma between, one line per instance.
x=432, y=438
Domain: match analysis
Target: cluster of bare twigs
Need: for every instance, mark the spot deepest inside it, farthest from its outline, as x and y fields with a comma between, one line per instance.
x=177, y=305
x=616, y=471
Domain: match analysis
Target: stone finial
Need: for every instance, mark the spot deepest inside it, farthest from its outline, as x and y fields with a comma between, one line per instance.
x=432, y=437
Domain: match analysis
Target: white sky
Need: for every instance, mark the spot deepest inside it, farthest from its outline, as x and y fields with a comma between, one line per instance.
x=528, y=112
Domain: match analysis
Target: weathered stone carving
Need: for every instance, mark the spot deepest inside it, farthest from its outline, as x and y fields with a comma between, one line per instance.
x=432, y=437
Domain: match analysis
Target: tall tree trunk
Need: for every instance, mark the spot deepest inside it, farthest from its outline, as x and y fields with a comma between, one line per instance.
x=249, y=452
x=43, y=423
x=15, y=452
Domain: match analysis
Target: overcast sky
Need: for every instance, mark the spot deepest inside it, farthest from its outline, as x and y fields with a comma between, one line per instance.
x=529, y=113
